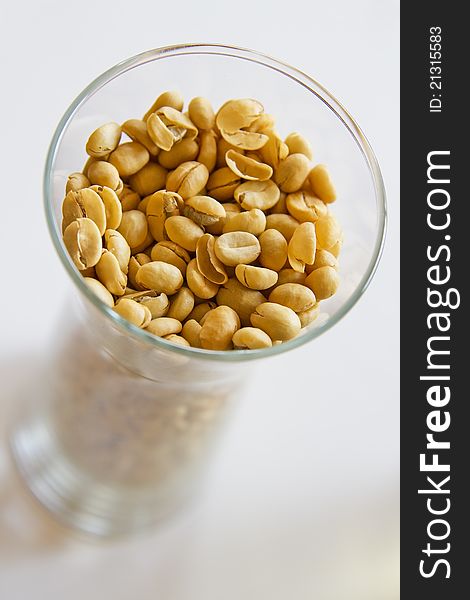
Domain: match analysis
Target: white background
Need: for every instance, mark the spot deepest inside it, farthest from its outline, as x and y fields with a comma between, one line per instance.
x=302, y=501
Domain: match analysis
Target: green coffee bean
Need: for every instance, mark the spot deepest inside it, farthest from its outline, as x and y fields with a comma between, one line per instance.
x=257, y=194
x=76, y=182
x=184, y=151
x=297, y=144
x=283, y=223
x=279, y=322
x=99, y=290
x=328, y=232
x=251, y=338
x=191, y=332
x=184, y=232
x=297, y=297
x=273, y=249
x=201, y=113
x=323, y=282
x=292, y=172
x=237, y=114
x=104, y=174
x=207, y=149
x=137, y=314
x=109, y=273
x=182, y=304
x=133, y=227
x=161, y=277
x=117, y=244
x=204, y=210
x=177, y=339
x=129, y=158
x=208, y=263
x=82, y=239
x=252, y=221
x=237, y=247
x=188, y=179
x=323, y=258
x=198, y=284
x=103, y=140
x=170, y=98
x=309, y=316
x=218, y=328
x=290, y=276
x=304, y=206
x=149, y=179
x=247, y=168
x=255, y=278
x=164, y=326
x=302, y=247
x=321, y=184
x=112, y=205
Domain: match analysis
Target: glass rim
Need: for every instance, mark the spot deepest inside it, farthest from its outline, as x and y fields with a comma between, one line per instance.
x=267, y=61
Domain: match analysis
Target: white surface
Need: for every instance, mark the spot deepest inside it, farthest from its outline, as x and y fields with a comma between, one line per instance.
x=303, y=499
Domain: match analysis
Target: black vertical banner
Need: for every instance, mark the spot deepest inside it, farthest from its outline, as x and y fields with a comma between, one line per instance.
x=435, y=269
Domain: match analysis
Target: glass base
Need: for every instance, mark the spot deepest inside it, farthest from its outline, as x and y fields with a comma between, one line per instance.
x=82, y=502
x=108, y=451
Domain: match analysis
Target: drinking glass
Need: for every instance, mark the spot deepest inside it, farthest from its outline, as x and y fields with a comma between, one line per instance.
x=123, y=423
